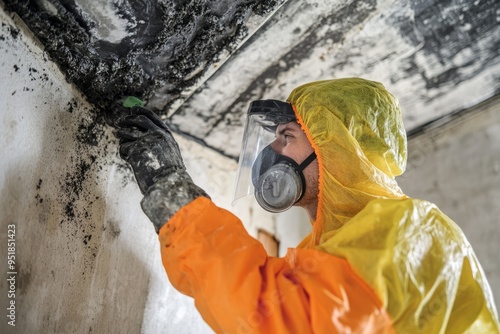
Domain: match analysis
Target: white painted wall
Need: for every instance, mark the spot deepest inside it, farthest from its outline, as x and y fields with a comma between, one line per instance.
x=88, y=270
x=291, y=227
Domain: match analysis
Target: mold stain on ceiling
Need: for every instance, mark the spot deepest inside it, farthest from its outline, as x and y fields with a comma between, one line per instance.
x=153, y=49
x=199, y=63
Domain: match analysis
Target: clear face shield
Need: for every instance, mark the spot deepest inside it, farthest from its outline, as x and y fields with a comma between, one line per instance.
x=276, y=180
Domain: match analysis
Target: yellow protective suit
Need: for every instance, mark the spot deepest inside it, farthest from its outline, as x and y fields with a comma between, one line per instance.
x=375, y=262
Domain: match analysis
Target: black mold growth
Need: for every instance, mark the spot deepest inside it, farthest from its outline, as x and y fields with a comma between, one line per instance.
x=166, y=42
x=444, y=28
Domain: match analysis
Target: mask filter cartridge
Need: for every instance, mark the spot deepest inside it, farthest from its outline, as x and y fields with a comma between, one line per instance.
x=278, y=180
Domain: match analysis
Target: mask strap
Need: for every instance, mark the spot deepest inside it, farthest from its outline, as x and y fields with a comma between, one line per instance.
x=306, y=162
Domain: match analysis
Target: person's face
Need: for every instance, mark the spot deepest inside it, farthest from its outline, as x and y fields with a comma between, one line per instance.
x=292, y=142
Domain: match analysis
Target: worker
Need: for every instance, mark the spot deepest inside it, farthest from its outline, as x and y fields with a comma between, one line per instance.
x=376, y=260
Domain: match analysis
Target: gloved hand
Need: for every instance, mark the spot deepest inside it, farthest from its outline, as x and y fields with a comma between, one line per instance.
x=148, y=146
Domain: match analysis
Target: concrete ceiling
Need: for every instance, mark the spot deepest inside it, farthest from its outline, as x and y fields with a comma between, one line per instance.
x=199, y=63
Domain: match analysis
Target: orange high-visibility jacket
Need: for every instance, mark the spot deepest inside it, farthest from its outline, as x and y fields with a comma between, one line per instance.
x=376, y=260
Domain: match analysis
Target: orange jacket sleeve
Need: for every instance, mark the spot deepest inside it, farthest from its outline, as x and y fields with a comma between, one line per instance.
x=208, y=254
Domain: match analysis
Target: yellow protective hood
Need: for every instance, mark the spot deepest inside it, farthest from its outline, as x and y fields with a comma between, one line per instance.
x=356, y=129
x=415, y=258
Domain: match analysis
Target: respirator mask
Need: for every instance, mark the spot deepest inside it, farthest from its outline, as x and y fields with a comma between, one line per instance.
x=276, y=181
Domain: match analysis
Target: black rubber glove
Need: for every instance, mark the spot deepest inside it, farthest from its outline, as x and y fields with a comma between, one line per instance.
x=148, y=146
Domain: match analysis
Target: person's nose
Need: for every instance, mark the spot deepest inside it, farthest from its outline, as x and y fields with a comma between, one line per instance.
x=276, y=146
